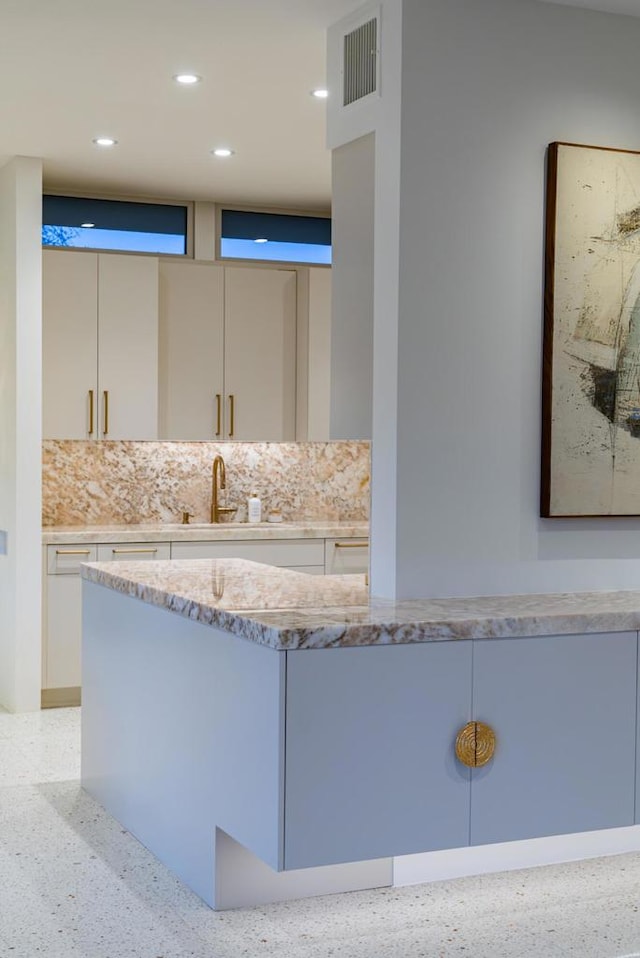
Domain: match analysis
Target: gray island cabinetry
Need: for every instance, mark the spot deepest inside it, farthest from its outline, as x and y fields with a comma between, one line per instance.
x=287, y=734
x=371, y=731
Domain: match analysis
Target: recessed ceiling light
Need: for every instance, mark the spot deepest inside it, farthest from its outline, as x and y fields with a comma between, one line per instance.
x=261, y=240
x=222, y=151
x=187, y=79
x=87, y=226
x=104, y=141
x=320, y=94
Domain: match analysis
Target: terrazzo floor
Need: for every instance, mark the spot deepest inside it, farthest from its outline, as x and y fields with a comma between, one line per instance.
x=74, y=884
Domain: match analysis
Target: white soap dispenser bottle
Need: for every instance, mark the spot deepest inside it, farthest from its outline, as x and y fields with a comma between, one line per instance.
x=254, y=508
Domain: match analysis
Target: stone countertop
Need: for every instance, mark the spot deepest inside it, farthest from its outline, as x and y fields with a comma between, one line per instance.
x=287, y=610
x=200, y=532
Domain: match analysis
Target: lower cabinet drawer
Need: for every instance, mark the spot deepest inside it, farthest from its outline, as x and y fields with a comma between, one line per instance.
x=66, y=560
x=133, y=551
x=346, y=556
x=280, y=552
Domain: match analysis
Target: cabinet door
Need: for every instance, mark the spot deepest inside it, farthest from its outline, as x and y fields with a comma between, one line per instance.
x=62, y=606
x=319, y=356
x=260, y=353
x=369, y=742
x=69, y=343
x=128, y=346
x=289, y=553
x=133, y=551
x=563, y=710
x=191, y=350
x=63, y=635
x=344, y=556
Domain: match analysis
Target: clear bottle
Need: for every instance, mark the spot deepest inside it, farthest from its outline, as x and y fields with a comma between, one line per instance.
x=254, y=508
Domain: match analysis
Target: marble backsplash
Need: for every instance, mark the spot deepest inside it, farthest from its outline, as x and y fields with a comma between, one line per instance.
x=123, y=482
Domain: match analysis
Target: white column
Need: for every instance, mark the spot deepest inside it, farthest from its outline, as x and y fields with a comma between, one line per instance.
x=20, y=433
x=372, y=126
x=471, y=94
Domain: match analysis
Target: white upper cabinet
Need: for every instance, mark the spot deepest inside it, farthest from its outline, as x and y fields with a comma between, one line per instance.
x=100, y=346
x=227, y=352
x=318, y=355
x=191, y=350
x=128, y=346
x=69, y=344
x=260, y=353
x=136, y=347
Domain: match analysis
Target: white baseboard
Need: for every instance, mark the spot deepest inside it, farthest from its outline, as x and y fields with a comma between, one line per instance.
x=460, y=862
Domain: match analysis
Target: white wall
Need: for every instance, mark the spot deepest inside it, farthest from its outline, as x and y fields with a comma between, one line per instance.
x=352, y=237
x=20, y=432
x=486, y=85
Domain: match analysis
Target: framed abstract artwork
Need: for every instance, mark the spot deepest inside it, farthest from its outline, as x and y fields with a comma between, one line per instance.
x=591, y=351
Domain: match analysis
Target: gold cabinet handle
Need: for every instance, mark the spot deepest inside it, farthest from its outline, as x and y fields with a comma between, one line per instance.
x=73, y=552
x=218, y=413
x=105, y=397
x=475, y=744
x=91, y=412
x=129, y=552
x=351, y=545
x=231, y=415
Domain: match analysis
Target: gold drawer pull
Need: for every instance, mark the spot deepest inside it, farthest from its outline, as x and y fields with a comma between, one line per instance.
x=130, y=552
x=73, y=552
x=91, y=412
x=218, y=413
x=475, y=744
x=105, y=397
x=351, y=545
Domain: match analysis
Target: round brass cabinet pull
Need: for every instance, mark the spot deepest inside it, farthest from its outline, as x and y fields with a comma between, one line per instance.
x=475, y=744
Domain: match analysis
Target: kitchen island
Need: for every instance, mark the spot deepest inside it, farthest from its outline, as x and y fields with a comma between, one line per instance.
x=311, y=545
x=270, y=734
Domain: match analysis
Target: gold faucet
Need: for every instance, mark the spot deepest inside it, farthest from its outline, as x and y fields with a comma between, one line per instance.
x=219, y=482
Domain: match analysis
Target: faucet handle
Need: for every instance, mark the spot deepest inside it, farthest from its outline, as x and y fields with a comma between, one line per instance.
x=185, y=517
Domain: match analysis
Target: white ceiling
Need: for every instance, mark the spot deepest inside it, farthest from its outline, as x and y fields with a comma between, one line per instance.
x=71, y=70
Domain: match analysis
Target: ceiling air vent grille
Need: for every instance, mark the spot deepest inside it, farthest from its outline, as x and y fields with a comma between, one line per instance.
x=360, y=62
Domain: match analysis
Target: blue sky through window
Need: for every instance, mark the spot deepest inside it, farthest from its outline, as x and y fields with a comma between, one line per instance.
x=87, y=238
x=275, y=251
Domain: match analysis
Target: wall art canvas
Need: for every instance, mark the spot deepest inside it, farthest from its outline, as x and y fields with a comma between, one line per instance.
x=591, y=362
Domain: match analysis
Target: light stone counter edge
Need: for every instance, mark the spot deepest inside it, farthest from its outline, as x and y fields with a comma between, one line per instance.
x=204, y=532
x=287, y=610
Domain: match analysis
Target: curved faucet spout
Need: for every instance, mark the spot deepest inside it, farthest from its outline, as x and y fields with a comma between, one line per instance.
x=218, y=482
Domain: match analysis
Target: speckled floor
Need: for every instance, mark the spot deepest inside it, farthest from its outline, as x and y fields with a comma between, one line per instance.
x=74, y=884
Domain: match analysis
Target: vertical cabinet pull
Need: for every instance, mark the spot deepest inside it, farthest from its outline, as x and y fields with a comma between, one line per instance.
x=105, y=396
x=218, y=413
x=231, y=415
x=90, y=412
